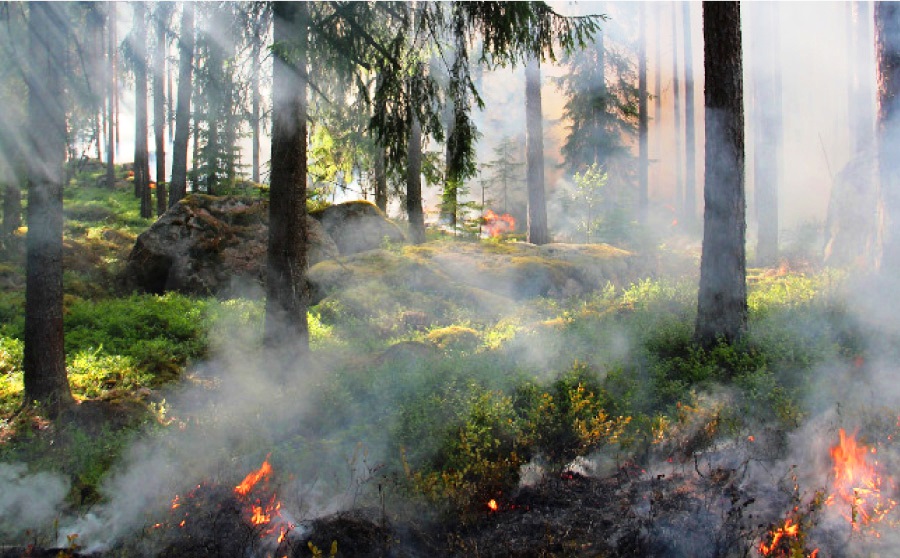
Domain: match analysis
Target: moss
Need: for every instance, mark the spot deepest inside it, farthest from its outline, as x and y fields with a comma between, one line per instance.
x=455, y=338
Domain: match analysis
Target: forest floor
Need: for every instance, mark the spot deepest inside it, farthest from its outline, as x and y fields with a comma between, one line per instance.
x=466, y=398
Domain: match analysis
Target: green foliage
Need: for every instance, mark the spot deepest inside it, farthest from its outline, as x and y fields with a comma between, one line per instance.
x=587, y=198
x=159, y=333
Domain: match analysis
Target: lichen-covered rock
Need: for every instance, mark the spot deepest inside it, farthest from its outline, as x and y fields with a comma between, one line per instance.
x=357, y=226
x=211, y=245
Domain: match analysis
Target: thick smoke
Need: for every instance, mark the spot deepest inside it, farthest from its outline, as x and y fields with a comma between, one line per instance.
x=29, y=502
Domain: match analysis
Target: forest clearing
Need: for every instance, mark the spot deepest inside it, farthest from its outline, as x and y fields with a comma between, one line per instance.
x=598, y=327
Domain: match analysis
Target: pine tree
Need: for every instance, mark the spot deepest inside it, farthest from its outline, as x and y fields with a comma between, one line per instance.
x=722, y=298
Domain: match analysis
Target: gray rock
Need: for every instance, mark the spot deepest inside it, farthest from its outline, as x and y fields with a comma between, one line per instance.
x=211, y=245
x=358, y=226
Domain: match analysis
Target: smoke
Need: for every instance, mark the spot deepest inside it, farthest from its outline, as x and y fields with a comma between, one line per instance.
x=29, y=502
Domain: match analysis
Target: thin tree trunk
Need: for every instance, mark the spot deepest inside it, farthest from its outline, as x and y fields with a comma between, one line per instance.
x=141, y=147
x=111, y=98
x=287, y=299
x=414, y=183
x=159, y=106
x=599, y=110
x=887, y=50
x=183, y=114
x=451, y=173
x=643, y=159
x=44, y=360
x=257, y=100
x=690, y=140
x=534, y=159
x=676, y=86
x=380, y=180
x=231, y=128
x=195, y=156
x=767, y=160
x=657, y=94
x=722, y=298
x=170, y=101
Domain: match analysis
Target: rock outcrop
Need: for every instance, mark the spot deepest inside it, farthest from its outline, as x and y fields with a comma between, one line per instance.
x=211, y=246
x=358, y=226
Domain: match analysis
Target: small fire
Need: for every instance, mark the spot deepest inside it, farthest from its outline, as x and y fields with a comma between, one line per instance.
x=784, y=541
x=858, y=485
x=493, y=505
x=268, y=515
x=263, y=473
x=498, y=225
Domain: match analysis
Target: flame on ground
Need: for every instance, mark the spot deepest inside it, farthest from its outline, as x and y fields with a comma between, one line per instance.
x=783, y=540
x=860, y=490
x=498, y=225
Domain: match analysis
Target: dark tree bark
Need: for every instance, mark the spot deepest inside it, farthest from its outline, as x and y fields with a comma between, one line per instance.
x=287, y=298
x=111, y=98
x=643, y=156
x=44, y=361
x=690, y=136
x=534, y=159
x=887, y=51
x=141, y=148
x=722, y=299
x=159, y=105
x=183, y=111
x=380, y=180
x=676, y=99
x=414, y=183
x=767, y=140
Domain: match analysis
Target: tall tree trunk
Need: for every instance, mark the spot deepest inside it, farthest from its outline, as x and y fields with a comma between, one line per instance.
x=141, y=148
x=257, y=99
x=44, y=360
x=111, y=98
x=414, y=183
x=690, y=139
x=887, y=50
x=599, y=109
x=231, y=128
x=380, y=180
x=287, y=298
x=767, y=141
x=676, y=97
x=657, y=93
x=195, y=156
x=722, y=298
x=170, y=101
x=159, y=105
x=643, y=156
x=534, y=158
x=183, y=114
x=451, y=180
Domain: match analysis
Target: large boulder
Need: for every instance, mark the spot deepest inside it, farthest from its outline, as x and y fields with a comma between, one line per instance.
x=211, y=245
x=358, y=226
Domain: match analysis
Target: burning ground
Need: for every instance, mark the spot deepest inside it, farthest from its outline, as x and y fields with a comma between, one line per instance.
x=454, y=408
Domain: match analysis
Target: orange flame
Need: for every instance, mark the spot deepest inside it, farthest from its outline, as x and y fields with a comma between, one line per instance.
x=858, y=484
x=789, y=529
x=498, y=225
x=492, y=505
x=264, y=471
